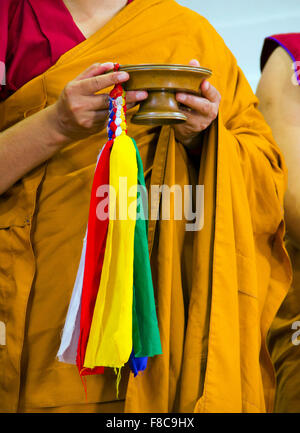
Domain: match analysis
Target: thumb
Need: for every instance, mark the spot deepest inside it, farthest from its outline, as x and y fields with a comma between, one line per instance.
x=95, y=69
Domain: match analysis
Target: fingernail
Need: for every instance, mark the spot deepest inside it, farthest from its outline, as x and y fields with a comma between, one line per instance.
x=122, y=76
x=205, y=85
x=141, y=95
x=195, y=62
x=181, y=97
x=107, y=65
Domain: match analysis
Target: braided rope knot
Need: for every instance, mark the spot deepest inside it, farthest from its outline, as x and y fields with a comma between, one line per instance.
x=117, y=111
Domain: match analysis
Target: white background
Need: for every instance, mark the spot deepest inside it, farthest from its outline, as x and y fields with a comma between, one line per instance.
x=243, y=24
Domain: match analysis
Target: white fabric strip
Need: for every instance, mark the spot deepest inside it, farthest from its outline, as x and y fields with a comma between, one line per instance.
x=67, y=351
x=69, y=341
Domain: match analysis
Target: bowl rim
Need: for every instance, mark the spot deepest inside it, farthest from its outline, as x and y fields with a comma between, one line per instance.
x=168, y=67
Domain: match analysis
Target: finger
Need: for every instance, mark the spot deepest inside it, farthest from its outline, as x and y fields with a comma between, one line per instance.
x=130, y=105
x=89, y=86
x=210, y=92
x=194, y=123
x=136, y=96
x=101, y=116
x=95, y=69
x=98, y=102
x=194, y=62
x=101, y=102
x=185, y=108
x=196, y=103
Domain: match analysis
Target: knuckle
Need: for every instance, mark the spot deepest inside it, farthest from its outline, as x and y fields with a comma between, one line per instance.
x=210, y=114
x=75, y=106
x=85, y=123
x=115, y=78
x=69, y=89
x=101, y=102
x=105, y=99
x=91, y=85
x=189, y=99
x=214, y=111
x=98, y=81
x=94, y=84
x=202, y=125
x=206, y=106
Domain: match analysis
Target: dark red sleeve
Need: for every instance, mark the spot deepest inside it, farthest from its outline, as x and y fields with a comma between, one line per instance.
x=4, y=29
x=290, y=42
x=33, y=35
x=7, y=11
x=30, y=42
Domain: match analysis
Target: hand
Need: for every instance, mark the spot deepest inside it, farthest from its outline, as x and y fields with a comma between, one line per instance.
x=201, y=111
x=79, y=111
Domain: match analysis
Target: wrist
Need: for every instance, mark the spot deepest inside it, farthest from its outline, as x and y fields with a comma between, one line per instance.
x=58, y=136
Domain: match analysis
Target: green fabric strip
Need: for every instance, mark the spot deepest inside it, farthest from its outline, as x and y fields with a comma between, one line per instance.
x=146, y=338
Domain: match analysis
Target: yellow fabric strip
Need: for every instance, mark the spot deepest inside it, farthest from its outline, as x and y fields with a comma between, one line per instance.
x=110, y=340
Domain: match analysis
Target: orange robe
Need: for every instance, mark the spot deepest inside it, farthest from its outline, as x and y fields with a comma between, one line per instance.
x=217, y=290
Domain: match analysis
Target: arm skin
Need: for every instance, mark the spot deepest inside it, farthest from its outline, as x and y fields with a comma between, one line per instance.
x=279, y=97
x=27, y=144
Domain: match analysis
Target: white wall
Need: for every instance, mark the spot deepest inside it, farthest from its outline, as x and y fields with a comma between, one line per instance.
x=244, y=24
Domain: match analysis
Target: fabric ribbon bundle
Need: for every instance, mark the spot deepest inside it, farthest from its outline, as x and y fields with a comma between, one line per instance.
x=112, y=318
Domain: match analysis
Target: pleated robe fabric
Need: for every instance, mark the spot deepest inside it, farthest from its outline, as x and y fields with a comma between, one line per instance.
x=217, y=290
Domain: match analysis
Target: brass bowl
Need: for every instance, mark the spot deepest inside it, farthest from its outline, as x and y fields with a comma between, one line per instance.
x=162, y=82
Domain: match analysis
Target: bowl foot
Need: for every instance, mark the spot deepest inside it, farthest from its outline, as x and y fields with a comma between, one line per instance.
x=160, y=108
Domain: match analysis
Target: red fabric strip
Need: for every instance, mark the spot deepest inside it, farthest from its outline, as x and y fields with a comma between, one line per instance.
x=95, y=249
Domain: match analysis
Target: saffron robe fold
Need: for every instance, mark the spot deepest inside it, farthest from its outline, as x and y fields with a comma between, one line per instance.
x=216, y=290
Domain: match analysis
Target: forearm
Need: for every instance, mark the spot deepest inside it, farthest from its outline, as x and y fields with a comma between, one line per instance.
x=27, y=144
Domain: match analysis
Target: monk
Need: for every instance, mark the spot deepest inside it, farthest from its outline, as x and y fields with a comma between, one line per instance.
x=278, y=91
x=217, y=289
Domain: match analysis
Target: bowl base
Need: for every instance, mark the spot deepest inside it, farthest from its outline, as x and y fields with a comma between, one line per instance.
x=153, y=118
x=160, y=108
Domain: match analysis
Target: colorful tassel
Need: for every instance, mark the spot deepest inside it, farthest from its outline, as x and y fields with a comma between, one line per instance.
x=111, y=318
x=96, y=242
x=110, y=340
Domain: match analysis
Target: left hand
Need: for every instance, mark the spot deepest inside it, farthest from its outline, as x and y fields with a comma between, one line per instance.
x=200, y=111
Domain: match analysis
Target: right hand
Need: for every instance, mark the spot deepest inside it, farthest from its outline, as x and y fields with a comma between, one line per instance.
x=79, y=111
